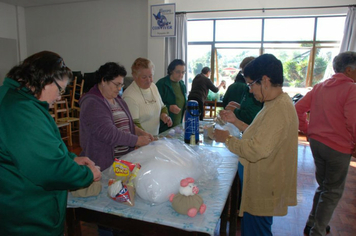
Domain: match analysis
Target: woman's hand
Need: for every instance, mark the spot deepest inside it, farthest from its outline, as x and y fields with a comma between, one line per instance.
x=174, y=109
x=150, y=136
x=166, y=119
x=96, y=172
x=232, y=106
x=228, y=116
x=143, y=140
x=221, y=135
x=85, y=161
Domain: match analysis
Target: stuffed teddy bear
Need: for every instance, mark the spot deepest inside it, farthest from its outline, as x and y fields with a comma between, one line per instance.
x=187, y=201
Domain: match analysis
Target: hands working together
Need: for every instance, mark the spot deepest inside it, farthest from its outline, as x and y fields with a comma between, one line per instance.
x=228, y=116
x=144, y=138
x=85, y=161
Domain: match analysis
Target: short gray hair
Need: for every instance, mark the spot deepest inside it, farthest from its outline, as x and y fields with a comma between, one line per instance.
x=344, y=60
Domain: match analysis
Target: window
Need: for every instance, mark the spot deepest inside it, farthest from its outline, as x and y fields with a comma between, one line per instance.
x=305, y=45
x=238, y=30
x=199, y=56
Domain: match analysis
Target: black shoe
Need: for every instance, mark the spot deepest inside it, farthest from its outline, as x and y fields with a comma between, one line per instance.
x=308, y=228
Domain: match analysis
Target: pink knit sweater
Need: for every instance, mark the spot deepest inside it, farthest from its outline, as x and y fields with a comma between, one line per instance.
x=332, y=106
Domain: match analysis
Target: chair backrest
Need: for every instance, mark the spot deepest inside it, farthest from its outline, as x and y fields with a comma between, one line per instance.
x=61, y=109
x=77, y=93
x=210, y=106
x=77, y=74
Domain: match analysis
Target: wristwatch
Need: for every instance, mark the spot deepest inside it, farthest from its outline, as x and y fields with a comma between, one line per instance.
x=227, y=140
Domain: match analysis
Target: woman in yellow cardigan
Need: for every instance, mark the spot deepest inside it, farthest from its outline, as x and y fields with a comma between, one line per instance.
x=268, y=150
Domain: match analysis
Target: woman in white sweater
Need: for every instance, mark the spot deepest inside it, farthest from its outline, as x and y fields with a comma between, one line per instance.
x=143, y=99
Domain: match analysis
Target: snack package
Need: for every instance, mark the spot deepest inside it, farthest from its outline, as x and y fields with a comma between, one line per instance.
x=123, y=169
x=121, y=192
x=121, y=189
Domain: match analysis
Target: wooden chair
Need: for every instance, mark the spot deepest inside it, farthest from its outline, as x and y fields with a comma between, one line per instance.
x=65, y=128
x=210, y=106
x=61, y=110
x=77, y=92
x=68, y=94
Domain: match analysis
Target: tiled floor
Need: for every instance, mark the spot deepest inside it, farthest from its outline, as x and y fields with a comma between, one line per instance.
x=343, y=222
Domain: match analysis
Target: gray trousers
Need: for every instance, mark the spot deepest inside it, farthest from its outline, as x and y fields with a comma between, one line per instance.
x=331, y=169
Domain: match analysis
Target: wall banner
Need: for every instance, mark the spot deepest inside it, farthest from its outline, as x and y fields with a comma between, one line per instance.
x=163, y=20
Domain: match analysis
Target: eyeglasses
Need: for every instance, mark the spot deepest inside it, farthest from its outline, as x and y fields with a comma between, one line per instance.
x=119, y=85
x=179, y=72
x=60, y=89
x=252, y=83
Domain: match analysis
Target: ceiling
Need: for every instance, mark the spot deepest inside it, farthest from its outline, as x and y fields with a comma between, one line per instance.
x=37, y=3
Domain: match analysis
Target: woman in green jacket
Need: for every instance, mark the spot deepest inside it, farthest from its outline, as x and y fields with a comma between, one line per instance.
x=36, y=169
x=173, y=92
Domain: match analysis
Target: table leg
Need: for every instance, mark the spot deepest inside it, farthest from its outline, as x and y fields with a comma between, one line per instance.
x=73, y=225
x=235, y=189
x=224, y=216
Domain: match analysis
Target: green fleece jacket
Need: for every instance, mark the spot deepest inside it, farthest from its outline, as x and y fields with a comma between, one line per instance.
x=165, y=89
x=249, y=106
x=36, y=169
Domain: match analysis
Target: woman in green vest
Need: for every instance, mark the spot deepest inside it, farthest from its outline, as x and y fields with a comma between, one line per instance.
x=173, y=92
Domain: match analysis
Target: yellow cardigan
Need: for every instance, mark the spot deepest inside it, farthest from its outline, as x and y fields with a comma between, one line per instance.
x=268, y=151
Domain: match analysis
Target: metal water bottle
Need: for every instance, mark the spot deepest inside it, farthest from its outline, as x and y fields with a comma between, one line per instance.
x=191, y=124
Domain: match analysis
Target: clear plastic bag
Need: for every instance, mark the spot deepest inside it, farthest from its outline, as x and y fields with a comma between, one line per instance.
x=164, y=163
x=234, y=131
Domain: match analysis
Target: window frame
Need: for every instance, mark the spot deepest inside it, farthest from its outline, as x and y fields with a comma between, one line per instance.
x=314, y=44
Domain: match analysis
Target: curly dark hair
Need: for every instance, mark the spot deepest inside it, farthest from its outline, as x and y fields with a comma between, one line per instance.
x=109, y=71
x=39, y=70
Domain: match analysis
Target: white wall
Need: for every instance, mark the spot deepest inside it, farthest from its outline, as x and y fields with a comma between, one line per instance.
x=90, y=34
x=9, y=39
x=8, y=22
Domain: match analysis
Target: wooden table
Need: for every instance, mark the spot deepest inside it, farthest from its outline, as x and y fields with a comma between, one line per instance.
x=146, y=219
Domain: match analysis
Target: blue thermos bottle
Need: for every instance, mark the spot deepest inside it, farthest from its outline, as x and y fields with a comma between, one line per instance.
x=191, y=124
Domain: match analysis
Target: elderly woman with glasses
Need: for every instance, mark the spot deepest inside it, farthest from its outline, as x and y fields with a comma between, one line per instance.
x=144, y=100
x=268, y=150
x=107, y=130
x=173, y=92
x=36, y=168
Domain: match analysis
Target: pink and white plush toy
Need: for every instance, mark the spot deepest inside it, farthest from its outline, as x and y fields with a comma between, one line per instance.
x=187, y=201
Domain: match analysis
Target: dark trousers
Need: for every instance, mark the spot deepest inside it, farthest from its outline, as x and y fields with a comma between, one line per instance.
x=331, y=169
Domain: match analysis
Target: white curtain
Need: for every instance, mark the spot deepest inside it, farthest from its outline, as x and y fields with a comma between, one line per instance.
x=348, y=42
x=176, y=47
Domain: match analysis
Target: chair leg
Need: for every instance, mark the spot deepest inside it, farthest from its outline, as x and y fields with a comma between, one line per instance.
x=69, y=133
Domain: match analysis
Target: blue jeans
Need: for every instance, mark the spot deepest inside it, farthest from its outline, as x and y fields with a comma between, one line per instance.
x=331, y=169
x=254, y=225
